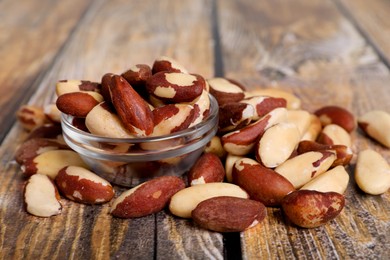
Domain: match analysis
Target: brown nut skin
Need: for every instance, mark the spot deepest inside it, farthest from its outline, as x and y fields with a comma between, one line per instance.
x=186, y=200
x=334, y=134
x=233, y=116
x=172, y=118
x=147, y=198
x=52, y=113
x=51, y=162
x=336, y=115
x=242, y=141
x=264, y=104
x=78, y=103
x=310, y=209
x=30, y=116
x=343, y=153
x=137, y=77
x=81, y=185
x=293, y=102
x=51, y=131
x=67, y=86
x=262, y=184
x=167, y=64
x=175, y=87
x=201, y=108
x=79, y=123
x=228, y=214
x=208, y=168
x=302, y=168
x=226, y=90
x=105, y=91
x=133, y=111
x=35, y=146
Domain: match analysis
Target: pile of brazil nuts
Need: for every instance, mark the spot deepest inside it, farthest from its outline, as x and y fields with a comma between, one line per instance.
x=268, y=151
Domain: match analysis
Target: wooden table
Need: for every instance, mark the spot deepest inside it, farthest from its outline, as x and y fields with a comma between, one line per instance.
x=324, y=51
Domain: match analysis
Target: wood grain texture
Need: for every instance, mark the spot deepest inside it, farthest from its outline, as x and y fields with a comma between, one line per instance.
x=310, y=49
x=110, y=37
x=181, y=239
x=31, y=34
x=372, y=17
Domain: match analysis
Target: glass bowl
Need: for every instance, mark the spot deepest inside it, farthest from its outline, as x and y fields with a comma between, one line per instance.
x=131, y=161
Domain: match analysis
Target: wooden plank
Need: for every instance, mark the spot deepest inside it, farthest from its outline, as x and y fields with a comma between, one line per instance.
x=31, y=34
x=111, y=37
x=192, y=35
x=181, y=239
x=310, y=49
x=372, y=18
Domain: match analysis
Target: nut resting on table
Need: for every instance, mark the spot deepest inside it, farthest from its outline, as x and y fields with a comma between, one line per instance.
x=267, y=151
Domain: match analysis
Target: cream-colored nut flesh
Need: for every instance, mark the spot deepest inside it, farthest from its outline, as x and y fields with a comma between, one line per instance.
x=300, y=169
x=155, y=102
x=100, y=121
x=293, y=102
x=186, y=200
x=83, y=173
x=168, y=125
x=335, y=180
x=174, y=64
x=215, y=147
x=40, y=196
x=376, y=124
x=238, y=149
x=372, y=172
x=229, y=163
x=68, y=86
x=301, y=118
x=272, y=118
x=338, y=134
x=254, y=101
x=123, y=196
x=277, y=144
x=203, y=103
x=223, y=85
x=97, y=96
x=278, y=115
x=49, y=163
x=31, y=116
x=165, y=92
x=180, y=79
x=313, y=130
x=52, y=112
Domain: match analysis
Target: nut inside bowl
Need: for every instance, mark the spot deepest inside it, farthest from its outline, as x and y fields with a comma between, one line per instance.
x=131, y=161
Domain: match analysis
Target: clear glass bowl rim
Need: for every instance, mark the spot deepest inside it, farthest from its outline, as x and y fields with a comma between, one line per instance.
x=205, y=129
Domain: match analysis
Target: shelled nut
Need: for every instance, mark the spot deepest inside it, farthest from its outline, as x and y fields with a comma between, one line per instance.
x=262, y=184
x=186, y=200
x=41, y=196
x=372, y=172
x=228, y=214
x=376, y=124
x=146, y=198
x=309, y=209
